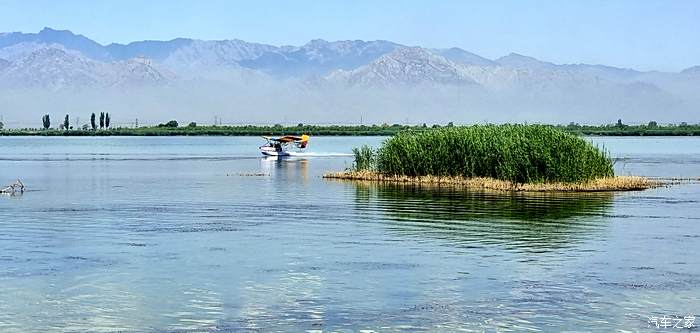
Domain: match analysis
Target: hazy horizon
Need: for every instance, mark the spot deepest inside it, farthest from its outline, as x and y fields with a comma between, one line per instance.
x=586, y=62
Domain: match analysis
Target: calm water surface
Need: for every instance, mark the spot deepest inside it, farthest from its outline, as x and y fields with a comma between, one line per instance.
x=173, y=235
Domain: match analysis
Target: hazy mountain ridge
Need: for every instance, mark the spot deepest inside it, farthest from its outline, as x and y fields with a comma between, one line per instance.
x=516, y=60
x=65, y=38
x=348, y=77
x=415, y=65
x=215, y=53
x=55, y=68
x=465, y=57
x=156, y=50
x=317, y=57
x=405, y=66
x=695, y=70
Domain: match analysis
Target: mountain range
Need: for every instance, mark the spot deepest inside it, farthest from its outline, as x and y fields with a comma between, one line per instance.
x=330, y=74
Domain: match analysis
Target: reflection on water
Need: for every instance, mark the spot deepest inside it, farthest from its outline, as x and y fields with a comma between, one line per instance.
x=169, y=235
x=289, y=168
x=11, y=195
x=527, y=221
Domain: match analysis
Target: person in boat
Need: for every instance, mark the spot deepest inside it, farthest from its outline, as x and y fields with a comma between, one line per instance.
x=278, y=146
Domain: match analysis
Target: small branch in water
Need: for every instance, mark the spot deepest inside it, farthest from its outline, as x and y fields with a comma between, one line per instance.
x=16, y=187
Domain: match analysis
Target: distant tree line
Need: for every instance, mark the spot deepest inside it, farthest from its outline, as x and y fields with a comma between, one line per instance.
x=172, y=127
x=104, y=122
x=46, y=120
x=619, y=128
x=170, y=124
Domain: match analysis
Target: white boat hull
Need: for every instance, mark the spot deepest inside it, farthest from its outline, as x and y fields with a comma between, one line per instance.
x=271, y=151
x=275, y=153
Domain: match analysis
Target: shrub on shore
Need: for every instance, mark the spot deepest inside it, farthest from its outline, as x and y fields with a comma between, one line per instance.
x=515, y=153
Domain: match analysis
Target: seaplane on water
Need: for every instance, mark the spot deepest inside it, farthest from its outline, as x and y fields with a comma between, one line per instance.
x=281, y=146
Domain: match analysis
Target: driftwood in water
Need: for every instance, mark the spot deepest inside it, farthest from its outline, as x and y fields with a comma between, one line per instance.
x=16, y=187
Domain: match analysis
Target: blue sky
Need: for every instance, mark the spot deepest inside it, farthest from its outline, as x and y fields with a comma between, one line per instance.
x=643, y=34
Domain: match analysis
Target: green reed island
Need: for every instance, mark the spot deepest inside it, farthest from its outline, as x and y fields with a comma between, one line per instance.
x=504, y=157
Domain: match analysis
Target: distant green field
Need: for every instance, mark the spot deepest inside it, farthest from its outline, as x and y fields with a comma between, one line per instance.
x=342, y=130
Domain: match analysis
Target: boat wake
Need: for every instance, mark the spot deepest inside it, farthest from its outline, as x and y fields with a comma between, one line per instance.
x=315, y=154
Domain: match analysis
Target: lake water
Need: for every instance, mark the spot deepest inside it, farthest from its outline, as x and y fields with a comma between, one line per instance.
x=174, y=234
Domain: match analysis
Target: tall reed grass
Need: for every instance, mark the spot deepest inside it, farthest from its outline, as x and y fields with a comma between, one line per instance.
x=516, y=153
x=365, y=158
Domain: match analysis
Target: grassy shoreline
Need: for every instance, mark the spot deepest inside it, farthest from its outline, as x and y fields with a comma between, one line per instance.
x=606, y=184
x=342, y=130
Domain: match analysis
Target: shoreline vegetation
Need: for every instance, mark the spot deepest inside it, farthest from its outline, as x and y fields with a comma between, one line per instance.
x=172, y=128
x=533, y=158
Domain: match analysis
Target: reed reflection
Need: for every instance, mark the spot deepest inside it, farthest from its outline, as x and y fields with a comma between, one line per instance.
x=526, y=221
